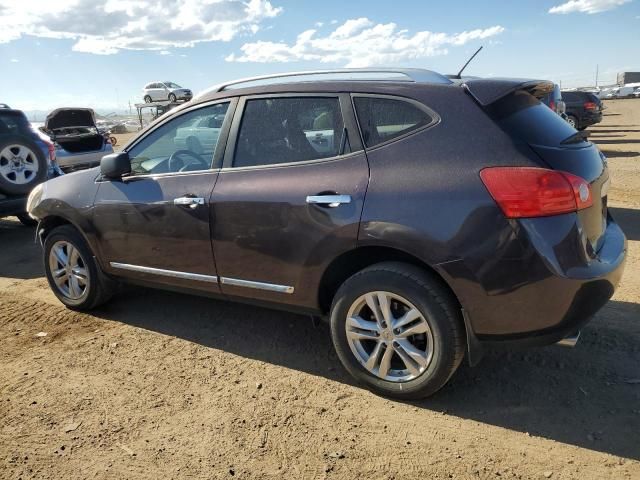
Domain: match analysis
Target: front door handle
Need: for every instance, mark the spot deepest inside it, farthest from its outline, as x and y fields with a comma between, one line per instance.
x=329, y=200
x=191, y=202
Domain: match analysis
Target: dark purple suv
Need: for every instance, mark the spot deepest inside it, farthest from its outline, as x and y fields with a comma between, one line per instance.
x=426, y=218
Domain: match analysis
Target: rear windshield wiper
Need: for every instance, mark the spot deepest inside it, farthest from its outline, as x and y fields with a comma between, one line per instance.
x=578, y=137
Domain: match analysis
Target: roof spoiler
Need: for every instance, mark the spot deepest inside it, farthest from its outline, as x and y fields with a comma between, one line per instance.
x=489, y=90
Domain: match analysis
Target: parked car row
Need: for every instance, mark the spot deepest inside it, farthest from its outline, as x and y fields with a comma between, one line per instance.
x=364, y=202
x=623, y=91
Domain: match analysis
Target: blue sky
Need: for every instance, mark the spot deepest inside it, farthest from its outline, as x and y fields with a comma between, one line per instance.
x=100, y=53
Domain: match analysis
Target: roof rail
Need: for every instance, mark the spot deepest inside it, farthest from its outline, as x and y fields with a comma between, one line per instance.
x=411, y=75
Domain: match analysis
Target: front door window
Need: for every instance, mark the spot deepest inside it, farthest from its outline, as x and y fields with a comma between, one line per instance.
x=184, y=144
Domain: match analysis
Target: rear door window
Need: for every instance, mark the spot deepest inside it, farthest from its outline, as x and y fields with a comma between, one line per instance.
x=289, y=129
x=382, y=119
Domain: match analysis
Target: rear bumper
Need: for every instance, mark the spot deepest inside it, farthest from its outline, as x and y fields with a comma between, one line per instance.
x=590, y=118
x=545, y=295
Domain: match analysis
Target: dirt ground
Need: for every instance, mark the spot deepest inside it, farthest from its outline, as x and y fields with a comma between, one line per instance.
x=161, y=385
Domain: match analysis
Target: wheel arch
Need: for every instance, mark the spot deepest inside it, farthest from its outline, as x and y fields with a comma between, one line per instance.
x=47, y=224
x=352, y=261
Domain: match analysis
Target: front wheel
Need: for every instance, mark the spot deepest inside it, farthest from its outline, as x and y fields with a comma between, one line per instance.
x=172, y=98
x=397, y=330
x=72, y=271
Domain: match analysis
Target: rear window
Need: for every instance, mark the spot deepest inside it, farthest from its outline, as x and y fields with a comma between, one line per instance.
x=580, y=97
x=383, y=119
x=13, y=123
x=523, y=116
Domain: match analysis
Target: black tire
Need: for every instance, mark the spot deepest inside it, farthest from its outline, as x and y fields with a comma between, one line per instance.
x=35, y=160
x=26, y=220
x=147, y=99
x=437, y=307
x=172, y=98
x=573, y=121
x=99, y=289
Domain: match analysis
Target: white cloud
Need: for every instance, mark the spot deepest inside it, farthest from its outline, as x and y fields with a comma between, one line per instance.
x=14, y=60
x=360, y=43
x=587, y=6
x=106, y=27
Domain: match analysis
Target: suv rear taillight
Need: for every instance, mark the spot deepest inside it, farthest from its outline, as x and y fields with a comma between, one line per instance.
x=590, y=106
x=52, y=151
x=552, y=105
x=523, y=192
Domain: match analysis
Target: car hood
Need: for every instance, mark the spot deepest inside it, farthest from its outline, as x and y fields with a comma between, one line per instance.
x=70, y=117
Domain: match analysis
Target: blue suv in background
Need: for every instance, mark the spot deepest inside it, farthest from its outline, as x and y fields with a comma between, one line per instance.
x=27, y=158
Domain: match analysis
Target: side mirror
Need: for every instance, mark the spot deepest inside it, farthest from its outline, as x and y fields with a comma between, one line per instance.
x=115, y=165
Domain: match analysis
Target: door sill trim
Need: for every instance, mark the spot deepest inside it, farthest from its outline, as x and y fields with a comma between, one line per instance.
x=234, y=282
x=166, y=273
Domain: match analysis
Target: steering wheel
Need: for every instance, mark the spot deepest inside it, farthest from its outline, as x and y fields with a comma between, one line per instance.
x=177, y=157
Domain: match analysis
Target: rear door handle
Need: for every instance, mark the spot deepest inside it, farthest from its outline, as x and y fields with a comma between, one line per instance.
x=329, y=200
x=191, y=202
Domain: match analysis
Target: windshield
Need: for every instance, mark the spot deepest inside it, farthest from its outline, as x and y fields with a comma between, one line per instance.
x=172, y=85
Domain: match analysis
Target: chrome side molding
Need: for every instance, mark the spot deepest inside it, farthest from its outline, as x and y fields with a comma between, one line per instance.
x=258, y=285
x=166, y=273
x=235, y=282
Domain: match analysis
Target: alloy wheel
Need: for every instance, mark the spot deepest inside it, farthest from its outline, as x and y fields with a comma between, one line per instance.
x=68, y=270
x=389, y=336
x=18, y=164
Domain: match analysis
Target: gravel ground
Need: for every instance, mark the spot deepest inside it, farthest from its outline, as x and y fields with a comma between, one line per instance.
x=161, y=385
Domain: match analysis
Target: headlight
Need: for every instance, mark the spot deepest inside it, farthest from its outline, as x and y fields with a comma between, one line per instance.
x=34, y=199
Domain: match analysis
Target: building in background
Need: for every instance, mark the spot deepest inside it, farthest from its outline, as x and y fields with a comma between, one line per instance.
x=628, y=77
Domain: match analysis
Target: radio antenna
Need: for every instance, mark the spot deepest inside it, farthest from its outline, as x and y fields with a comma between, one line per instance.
x=468, y=62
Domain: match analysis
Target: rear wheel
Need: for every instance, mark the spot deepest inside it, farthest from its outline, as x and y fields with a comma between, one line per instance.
x=397, y=330
x=147, y=99
x=172, y=97
x=72, y=271
x=23, y=165
x=573, y=121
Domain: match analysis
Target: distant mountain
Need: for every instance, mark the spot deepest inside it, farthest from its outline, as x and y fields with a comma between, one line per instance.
x=40, y=115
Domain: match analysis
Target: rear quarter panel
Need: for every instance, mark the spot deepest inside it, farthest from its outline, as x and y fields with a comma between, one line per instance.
x=426, y=198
